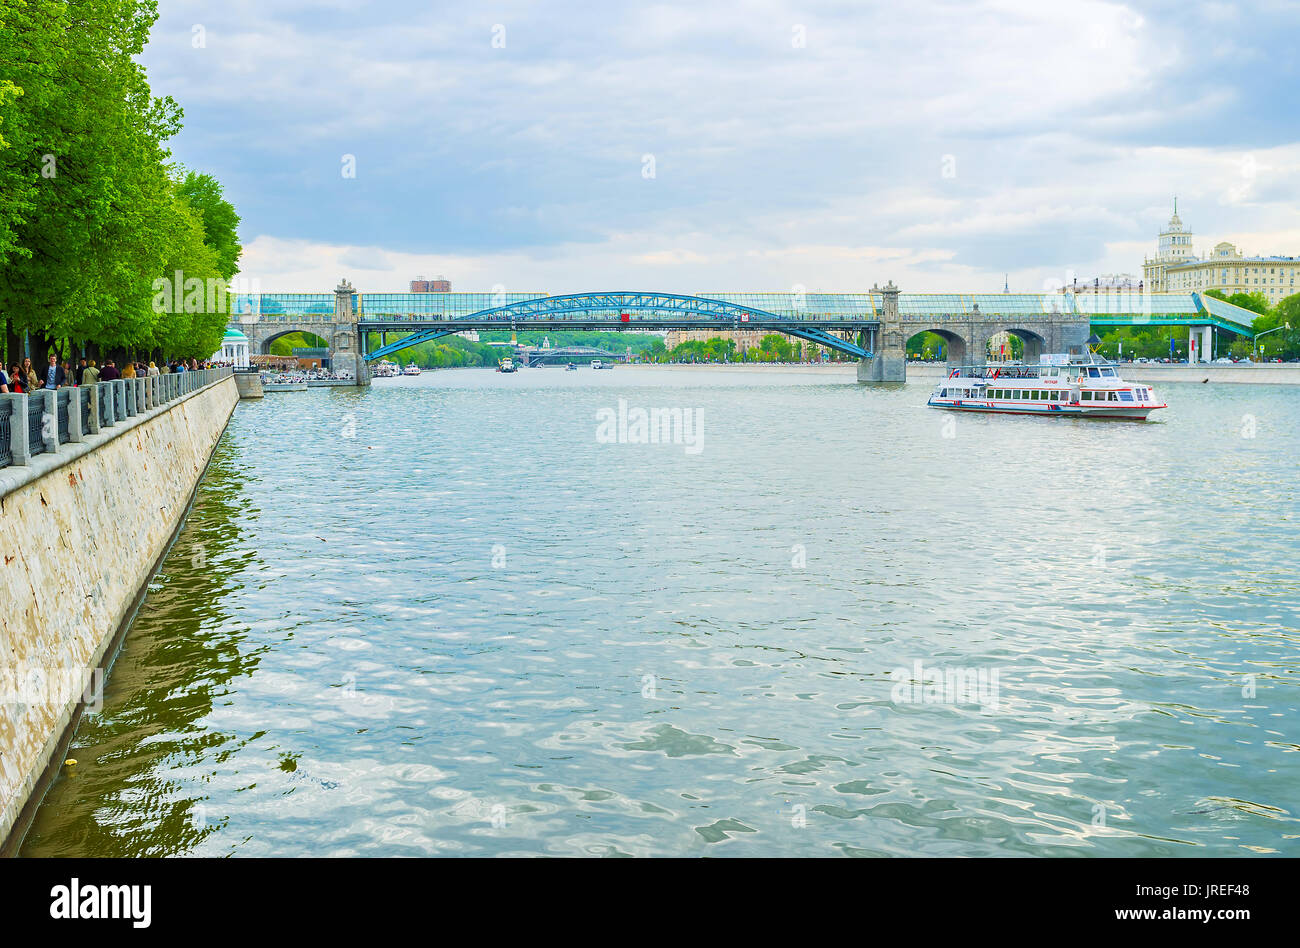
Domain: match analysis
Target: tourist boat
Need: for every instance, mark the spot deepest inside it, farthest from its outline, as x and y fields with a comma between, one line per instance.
x=571, y=367
x=1076, y=386
x=411, y=369
x=507, y=365
x=598, y=364
x=386, y=370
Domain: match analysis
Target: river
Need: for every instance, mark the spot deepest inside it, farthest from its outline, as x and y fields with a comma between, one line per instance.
x=468, y=614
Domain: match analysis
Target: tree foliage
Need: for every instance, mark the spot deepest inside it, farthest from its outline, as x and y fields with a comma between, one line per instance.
x=92, y=212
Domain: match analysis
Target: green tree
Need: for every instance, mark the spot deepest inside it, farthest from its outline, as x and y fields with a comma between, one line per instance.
x=220, y=222
x=90, y=214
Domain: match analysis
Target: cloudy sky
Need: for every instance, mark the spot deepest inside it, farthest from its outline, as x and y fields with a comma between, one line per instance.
x=691, y=147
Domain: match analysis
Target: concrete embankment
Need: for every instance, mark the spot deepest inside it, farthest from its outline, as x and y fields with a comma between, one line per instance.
x=90, y=522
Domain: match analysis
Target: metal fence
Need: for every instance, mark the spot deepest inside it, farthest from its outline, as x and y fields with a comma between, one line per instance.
x=27, y=428
x=36, y=425
x=62, y=398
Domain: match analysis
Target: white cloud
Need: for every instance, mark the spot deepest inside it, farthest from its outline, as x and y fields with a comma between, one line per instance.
x=1070, y=126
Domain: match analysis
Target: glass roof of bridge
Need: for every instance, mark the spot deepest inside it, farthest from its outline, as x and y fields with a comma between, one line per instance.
x=1228, y=311
x=852, y=305
x=1124, y=303
x=437, y=304
x=289, y=304
x=933, y=304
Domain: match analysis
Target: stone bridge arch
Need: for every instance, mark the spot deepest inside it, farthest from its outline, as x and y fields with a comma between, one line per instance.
x=956, y=339
x=1037, y=340
x=260, y=338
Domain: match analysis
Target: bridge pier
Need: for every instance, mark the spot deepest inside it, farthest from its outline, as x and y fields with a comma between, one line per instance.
x=888, y=362
x=885, y=365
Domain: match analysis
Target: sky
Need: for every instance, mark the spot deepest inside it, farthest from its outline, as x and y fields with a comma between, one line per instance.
x=687, y=147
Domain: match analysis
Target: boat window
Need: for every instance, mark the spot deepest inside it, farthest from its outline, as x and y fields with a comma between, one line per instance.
x=943, y=393
x=1108, y=373
x=1126, y=396
x=1087, y=396
x=1114, y=397
x=1093, y=373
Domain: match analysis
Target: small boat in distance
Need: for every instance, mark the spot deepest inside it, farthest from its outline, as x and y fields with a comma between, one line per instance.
x=386, y=370
x=507, y=365
x=598, y=364
x=1078, y=386
x=411, y=369
x=571, y=367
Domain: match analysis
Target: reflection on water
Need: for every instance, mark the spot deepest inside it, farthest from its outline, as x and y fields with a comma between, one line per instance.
x=442, y=617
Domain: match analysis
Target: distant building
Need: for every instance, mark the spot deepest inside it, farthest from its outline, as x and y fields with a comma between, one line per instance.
x=743, y=338
x=1173, y=248
x=440, y=285
x=234, y=349
x=1175, y=268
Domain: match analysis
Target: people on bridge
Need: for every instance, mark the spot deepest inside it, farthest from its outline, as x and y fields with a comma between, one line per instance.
x=128, y=370
x=91, y=374
x=109, y=373
x=153, y=369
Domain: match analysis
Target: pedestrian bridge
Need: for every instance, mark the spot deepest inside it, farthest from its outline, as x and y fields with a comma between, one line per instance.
x=872, y=326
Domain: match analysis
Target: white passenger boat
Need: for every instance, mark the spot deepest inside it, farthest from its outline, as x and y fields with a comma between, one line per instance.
x=1075, y=386
x=411, y=369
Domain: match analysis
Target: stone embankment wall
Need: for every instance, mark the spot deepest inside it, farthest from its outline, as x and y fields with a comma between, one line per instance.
x=88, y=523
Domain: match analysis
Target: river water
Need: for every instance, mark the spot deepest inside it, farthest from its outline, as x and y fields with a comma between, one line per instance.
x=466, y=614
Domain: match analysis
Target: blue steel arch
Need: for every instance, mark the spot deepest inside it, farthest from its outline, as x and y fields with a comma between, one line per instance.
x=674, y=310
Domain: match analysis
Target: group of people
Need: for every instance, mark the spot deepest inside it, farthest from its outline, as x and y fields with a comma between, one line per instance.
x=24, y=378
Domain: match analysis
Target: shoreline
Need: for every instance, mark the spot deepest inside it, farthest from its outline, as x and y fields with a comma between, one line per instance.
x=1153, y=374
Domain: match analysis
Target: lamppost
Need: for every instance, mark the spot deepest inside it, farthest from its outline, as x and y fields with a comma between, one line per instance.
x=1265, y=333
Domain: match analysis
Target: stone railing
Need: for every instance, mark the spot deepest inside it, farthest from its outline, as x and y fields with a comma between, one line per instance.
x=35, y=424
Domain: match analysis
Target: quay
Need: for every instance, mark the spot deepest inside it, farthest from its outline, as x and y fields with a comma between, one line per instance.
x=101, y=478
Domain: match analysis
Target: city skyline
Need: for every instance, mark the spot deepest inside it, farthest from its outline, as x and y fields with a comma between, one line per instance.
x=666, y=148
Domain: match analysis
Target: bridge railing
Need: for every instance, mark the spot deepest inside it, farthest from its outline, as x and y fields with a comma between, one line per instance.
x=284, y=318
x=981, y=316
x=42, y=421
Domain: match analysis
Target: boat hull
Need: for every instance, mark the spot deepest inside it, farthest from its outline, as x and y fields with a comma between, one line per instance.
x=1133, y=413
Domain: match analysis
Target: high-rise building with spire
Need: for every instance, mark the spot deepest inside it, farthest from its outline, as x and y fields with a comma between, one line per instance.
x=1174, y=247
